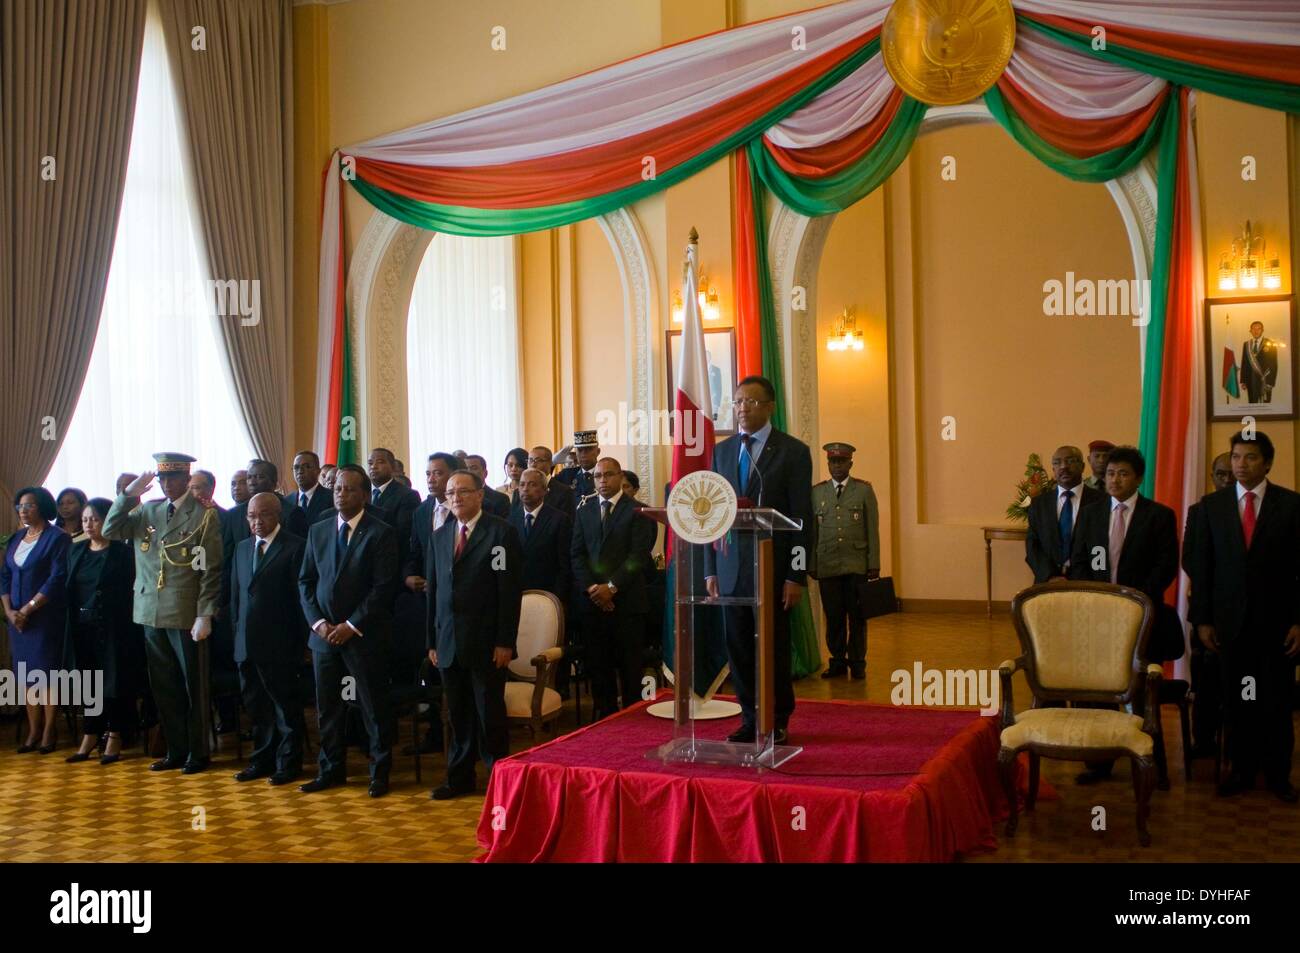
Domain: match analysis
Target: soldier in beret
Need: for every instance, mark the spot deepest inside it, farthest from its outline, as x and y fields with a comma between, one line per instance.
x=178, y=556
x=845, y=554
x=582, y=478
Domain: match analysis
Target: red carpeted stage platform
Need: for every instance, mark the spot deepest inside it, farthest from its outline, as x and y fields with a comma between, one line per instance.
x=874, y=782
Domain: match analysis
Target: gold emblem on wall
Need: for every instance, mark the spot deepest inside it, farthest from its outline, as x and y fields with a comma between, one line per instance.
x=945, y=52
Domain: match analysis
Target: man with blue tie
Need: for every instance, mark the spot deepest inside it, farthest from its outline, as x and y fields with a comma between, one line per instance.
x=349, y=571
x=771, y=469
x=1053, y=515
x=310, y=497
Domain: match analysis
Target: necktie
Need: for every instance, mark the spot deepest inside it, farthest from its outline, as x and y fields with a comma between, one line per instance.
x=528, y=524
x=743, y=469
x=604, y=509
x=341, y=546
x=302, y=500
x=439, y=517
x=1067, y=525
x=461, y=540
x=1248, y=517
x=171, y=510
x=258, y=552
x=1116, y=539
x=839, y=490
x=374, y=495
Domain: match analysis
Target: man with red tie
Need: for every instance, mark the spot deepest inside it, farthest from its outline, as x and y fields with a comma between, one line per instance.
x=1246, y=607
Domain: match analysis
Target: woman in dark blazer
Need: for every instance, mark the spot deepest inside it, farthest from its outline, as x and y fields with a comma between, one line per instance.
x=101, y=575
x=32, y=593
x=70, y=503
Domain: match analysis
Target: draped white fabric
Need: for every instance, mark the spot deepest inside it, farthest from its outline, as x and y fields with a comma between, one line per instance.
x=156, y=380
x=645, y=92
x=848, y=105
x=1249, y=21
x=1076, y=84
x=462, y=352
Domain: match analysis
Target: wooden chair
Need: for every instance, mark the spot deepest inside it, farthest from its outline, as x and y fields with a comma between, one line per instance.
x=531, y=697
x=1174, y=691
x=1082, y=642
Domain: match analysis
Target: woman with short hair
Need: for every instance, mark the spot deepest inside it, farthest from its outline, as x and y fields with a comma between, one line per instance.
x=32, y=594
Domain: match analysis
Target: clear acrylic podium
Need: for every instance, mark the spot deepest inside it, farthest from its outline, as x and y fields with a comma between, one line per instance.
x=751, y=536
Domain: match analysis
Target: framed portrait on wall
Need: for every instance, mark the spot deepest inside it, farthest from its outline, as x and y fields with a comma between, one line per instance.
x=720, y=347
x=1250, y=357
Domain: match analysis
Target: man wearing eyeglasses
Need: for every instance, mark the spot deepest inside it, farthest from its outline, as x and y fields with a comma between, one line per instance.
x=772, y=469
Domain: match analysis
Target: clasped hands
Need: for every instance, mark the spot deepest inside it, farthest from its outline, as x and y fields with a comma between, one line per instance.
x=336, y=634
x=1290, y=644
x=601, y=596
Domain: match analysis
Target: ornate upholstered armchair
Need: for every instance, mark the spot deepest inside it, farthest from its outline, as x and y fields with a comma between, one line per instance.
x=531, y=697
x=1083, y=642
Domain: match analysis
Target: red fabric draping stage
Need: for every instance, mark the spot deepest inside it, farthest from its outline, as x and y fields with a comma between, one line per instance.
x=876, y=782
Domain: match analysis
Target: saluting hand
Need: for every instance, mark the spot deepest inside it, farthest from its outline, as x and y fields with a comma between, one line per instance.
x=140, y=484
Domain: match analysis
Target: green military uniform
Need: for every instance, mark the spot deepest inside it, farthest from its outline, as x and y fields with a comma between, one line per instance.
x=845, y=547
x=177, y=580
x=1095, y=482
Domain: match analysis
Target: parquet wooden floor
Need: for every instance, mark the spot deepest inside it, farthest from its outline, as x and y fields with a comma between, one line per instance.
x=52, y=811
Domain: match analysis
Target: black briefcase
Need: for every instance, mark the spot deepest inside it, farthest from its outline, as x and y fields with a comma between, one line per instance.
x=878, y=597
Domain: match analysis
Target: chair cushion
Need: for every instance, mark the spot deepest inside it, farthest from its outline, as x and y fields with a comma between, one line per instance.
x=519, y=700
x=1083, y=641
x=1078, y=728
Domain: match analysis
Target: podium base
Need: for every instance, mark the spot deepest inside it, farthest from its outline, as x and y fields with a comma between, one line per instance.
x=701, y=710
x=699, y=751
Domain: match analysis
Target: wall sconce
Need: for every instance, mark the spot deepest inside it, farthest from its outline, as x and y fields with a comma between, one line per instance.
x=1246, y=267
x=707, y=297
x=846, y=336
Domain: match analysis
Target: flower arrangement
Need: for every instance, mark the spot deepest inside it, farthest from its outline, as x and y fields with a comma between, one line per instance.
x=1035, y=481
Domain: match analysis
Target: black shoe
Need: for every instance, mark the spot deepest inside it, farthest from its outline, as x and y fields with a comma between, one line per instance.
x=110, y=759
x=858, y=671
x=282, y=777
x=252, y=773
x=48, y=749
x=834, y=670
x=27, y=749
x=378, y=787
x=743, y=735
x=1234, y=785
x=167, y=764
x=194, y=767
x=780, y=736
x=1092, y=776
x=320, y=783
x=1285, y=792
x=445, y=792
x=78, y=757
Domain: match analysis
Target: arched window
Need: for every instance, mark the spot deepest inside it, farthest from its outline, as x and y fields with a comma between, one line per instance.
x=157, y=378
x=462, y=352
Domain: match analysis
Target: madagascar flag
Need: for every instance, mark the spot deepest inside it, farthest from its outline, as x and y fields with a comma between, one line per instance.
x=1230, y=372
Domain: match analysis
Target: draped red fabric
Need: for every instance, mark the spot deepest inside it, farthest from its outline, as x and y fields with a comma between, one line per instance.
x=607, y=167
x=893, y=784
x=820, y=161
x=1265, y=60
x=1180, y=325
x=1079, y=137
x=749, y=333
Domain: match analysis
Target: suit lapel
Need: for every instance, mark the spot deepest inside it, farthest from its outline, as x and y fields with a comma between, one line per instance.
x=475, y=539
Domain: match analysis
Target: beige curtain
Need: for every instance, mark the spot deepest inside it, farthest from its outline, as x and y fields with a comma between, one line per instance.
x=68, y=71
x=233, y=67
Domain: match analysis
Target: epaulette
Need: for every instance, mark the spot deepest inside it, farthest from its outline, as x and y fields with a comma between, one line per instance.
x=821, y=483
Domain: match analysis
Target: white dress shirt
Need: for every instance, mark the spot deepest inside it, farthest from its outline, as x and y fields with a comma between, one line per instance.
x=352, y=532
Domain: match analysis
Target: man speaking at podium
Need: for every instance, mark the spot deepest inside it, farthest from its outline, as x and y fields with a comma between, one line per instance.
x=772, y=469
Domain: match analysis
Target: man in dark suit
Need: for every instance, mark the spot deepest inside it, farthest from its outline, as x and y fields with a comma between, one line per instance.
x=1207, y=680
x=494, y=501
x=1053, y=515
x=346, y=586
x=391, y=501
x=558, y=495
x=771, y=469
x=1258, y=365
x=610, y=550
x=581, y=479
x=313, y=499
x=1246, y=607
x=270, y=634
x=264, y=477
x=1131, y=541
x=546, y=534
x=474, y=590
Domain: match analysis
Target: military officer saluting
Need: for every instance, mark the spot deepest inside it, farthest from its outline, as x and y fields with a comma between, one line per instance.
x=845, y=554
x=582, y=477
x=178, y=554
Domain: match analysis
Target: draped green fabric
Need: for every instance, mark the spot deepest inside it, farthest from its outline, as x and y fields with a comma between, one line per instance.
x=488, y=222
x=1099, y=168
x=1269, y=93
x=835, y=193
